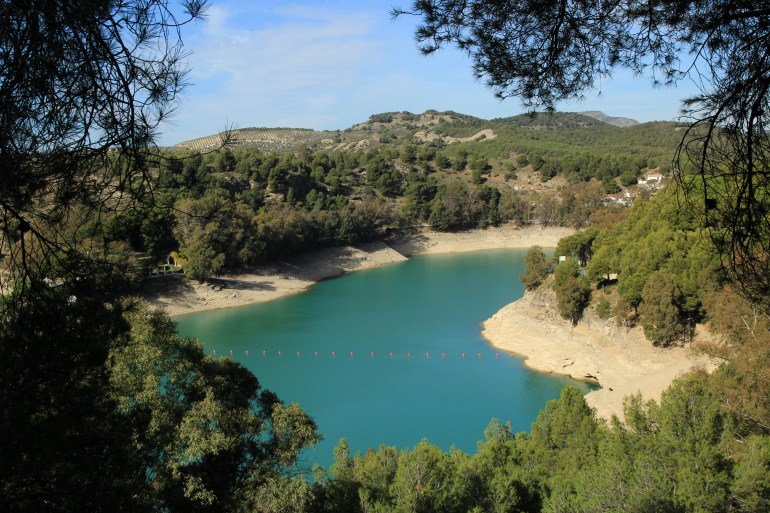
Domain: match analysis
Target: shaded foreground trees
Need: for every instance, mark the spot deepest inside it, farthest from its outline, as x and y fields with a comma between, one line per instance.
x=160, y=425
x=107, y=409
x=84, y=87
x=678, y=455
x=104, y=407
x=203, y=431
x=546, y=52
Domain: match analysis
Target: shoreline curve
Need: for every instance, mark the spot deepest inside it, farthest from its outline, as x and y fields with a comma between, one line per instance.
x=295, y=275
x=621, y=362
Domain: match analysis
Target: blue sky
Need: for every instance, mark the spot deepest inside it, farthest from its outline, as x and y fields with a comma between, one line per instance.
x=331, y=64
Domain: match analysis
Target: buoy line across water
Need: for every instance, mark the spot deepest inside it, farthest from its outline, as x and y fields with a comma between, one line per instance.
x=352, y=354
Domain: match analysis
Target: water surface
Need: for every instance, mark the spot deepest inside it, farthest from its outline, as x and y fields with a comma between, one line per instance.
x=329, y=349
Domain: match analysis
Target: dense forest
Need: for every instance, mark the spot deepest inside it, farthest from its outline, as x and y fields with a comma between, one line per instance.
x=234, y=208
x=654, y=266
x=705, y=446
x=684, y=453
x=105, y=408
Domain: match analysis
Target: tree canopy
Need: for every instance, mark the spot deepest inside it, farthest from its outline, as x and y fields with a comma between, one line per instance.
x=546, y=52
x=671, y=456
x=535, y=268
x=104, y=407
x=84, y=87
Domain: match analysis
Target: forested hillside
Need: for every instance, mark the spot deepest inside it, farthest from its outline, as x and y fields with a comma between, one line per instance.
x=105, y=408
x=241, y=206
x=704, y=447
x=655, y=267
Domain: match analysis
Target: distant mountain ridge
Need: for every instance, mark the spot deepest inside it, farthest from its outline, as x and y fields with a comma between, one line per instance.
x=610, y=120
x=388, y=126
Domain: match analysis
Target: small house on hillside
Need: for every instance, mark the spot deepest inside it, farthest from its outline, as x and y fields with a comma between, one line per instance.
x=654, y=180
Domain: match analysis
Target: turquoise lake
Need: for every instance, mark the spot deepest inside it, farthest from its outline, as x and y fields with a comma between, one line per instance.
x=329, y=349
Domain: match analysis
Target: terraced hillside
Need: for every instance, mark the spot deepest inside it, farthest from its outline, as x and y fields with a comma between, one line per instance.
x=379, y=129
x=268, y=139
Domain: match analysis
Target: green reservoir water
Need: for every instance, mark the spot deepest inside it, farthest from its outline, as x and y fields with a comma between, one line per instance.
x=443, y=381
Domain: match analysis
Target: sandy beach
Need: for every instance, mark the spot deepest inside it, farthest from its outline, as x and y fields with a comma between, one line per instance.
x=623, y=363
x=179, y=296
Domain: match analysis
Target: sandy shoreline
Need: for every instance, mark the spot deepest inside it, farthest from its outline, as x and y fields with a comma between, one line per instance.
x=292, y=276
x=622, y=363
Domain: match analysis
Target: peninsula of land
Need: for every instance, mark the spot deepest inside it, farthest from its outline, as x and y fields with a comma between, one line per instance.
x=622, y=361
x=619, y=359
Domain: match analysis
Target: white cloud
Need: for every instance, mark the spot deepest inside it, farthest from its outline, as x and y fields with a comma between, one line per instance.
x=332, y=64
x=290, y=65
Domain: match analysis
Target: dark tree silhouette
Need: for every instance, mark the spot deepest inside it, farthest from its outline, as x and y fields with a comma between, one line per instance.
x=103, y=406
x=84, y=87
x=546, y=52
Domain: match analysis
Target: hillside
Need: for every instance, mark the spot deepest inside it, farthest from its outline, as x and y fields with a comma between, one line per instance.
x=616, y=121
x=391, y=126
x=378, y=129
x=273, y=193
x=533, y=152
x=267, y=139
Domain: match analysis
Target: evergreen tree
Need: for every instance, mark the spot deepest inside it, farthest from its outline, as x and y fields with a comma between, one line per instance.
x=572, y=290
x=547, y=52
x=535, y=268
x=660, y=312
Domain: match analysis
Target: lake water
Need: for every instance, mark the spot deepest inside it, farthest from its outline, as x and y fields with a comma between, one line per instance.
x=391, y=355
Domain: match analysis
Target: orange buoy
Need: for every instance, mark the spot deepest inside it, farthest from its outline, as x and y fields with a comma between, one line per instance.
x=391, y=354
x=297, y=354
x=497, y=355
x=443, y=355
x=372, y=354
x=479, y=355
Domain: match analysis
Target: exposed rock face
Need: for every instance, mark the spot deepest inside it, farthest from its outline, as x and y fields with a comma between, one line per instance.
x=622, y=361
x=601, y=116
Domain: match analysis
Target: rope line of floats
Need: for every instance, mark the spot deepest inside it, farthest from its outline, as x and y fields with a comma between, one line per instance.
x=351, y=354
